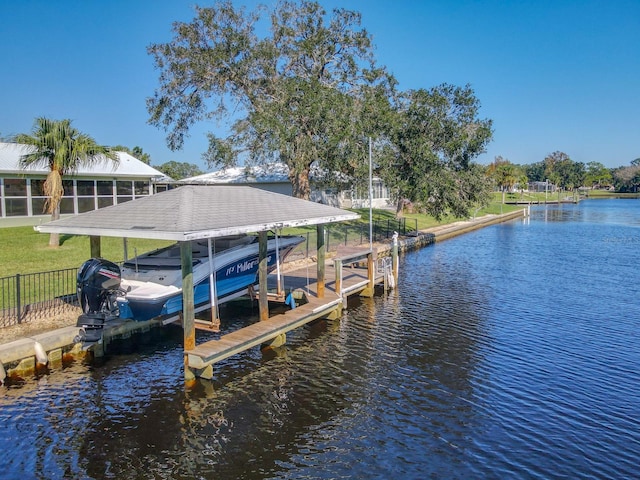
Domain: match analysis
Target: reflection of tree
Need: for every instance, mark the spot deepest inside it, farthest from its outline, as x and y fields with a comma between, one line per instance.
x=442, y=345
x=556, y=213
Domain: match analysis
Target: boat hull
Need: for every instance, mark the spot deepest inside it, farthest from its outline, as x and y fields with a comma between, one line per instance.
x=235, y=272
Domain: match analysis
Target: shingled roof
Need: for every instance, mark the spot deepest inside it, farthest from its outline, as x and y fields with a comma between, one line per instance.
x=193, y=212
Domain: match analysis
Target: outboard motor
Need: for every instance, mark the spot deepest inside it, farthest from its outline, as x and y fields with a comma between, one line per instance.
x=98, y=286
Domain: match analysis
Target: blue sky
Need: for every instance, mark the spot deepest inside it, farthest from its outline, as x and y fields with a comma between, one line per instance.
x=552, y=75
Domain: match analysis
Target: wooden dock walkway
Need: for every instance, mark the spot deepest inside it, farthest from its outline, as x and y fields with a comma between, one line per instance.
x=351, y=279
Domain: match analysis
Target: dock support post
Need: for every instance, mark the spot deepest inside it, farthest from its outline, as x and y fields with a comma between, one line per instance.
x=394, y=258
x=263, y=299
x=338, y=268
x=371, y=274
x=371, y=271
x=188, y=314
x=277, y=341
x=206, y=372
x=337, y=263
x=321, y=248
x=95, y=246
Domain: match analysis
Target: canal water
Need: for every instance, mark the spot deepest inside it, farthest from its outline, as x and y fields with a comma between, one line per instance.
x=509, y=352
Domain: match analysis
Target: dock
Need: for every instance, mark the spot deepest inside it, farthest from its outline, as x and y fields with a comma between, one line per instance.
x=345, y=275
x=355, y=272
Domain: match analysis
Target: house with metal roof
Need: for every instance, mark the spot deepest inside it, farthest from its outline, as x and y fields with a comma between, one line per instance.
x=90, y=188
x=274, y=177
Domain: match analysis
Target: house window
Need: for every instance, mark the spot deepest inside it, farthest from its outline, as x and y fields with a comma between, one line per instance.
x=105, y=193
x=67, y=186
x=125, y=190
x=23, y=197
x=105, y=187
x=86, y=204
x=38, y=205
x=37, y=188
x=141, y=188
x=15, y=192
x=66, y=205
x=86, y=188
x=38, y=198
x=124, y=187
x=16, y=207
x=105, y=202
x=15, y=187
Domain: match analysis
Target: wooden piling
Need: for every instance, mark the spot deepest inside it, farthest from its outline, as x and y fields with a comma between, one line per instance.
x=263, y=297
x=94, y=242
x=188, y=314
x=321, y=249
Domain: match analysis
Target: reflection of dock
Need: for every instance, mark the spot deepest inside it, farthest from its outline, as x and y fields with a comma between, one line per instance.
x=347, y=276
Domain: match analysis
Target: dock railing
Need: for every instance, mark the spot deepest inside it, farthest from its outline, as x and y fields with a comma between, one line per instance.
x=358, y=234
x=354, y=260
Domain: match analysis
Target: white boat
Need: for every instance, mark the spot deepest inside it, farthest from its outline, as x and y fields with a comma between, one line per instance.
x=153, y=281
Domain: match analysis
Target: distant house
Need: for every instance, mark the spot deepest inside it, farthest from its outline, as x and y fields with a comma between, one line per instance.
x=541, y=187
x=22, y=201
x=274, y=177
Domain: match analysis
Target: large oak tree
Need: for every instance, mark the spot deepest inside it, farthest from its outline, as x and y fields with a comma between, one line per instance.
x=289, y=81
x=432, y=144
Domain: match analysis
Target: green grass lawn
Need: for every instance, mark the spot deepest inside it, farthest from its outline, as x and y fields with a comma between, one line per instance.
x=529, y=196
x=609, y=194
x=26, y=251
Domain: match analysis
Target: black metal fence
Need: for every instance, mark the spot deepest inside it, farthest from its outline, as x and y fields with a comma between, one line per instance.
x=23, y=296
x=381, y=230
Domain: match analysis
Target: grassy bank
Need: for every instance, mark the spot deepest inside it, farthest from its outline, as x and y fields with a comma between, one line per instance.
x=27, y=251
x=535, y=197
x=608, y=194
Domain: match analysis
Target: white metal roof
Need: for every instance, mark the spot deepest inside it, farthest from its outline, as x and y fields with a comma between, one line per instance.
x=270, y=173
x=128, y=166
x=193, y=212
x=274, y=172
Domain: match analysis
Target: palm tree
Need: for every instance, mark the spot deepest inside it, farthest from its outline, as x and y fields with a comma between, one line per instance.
x=64, y=149
x=523, y=181
x=506, y=177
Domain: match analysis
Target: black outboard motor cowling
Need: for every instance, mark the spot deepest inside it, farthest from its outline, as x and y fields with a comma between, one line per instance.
x=98, y=285
x=97, y=280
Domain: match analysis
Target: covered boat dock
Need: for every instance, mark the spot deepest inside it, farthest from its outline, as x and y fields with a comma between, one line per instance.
x=193, y=212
